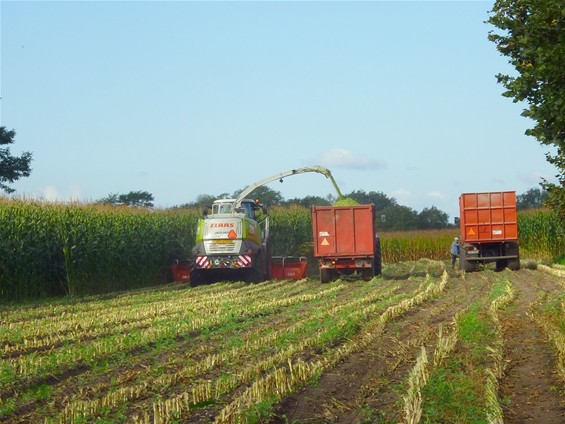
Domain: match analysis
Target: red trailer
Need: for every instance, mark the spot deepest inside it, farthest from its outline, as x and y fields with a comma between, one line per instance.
x=489, y=230
x=346, y=241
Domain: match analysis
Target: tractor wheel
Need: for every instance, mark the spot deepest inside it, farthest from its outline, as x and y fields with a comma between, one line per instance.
x=325, y=275
x=467, y=266
x=367, y=274
x=514, y=264
x=378, y=261
x=500, y=265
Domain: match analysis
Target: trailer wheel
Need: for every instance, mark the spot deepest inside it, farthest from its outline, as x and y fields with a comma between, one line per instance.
x=514, y=264
x=325, y=275
x=500, y=265
x=378, y=261
x=467, y=266
x=368, y=274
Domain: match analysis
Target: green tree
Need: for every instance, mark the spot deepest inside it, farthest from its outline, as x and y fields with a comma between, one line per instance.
x=532, y=37
x=396, y=218
x=533, y=198
x=265, y=195
x=379, y=199
x=133, y=198
x=308, y=201
x=432, y=218
x=12, y=168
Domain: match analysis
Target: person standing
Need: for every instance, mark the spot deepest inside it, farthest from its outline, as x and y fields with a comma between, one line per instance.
x=454, y=251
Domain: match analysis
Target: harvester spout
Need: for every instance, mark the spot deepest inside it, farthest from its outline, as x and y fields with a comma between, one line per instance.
x=280, y=176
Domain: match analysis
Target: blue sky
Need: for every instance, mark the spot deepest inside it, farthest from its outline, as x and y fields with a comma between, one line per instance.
x=186, y=98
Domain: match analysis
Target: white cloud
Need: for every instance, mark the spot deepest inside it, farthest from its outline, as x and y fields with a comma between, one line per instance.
x=343, y=158
x=436, y=195
x=50, y=194
x=74, y=192
x=533, y=178
x=402, y=195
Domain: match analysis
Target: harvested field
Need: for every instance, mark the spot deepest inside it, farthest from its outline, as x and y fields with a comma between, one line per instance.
x=419, y=344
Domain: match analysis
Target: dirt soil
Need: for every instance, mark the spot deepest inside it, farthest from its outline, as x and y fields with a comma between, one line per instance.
x=366, y=387
x=529, y=387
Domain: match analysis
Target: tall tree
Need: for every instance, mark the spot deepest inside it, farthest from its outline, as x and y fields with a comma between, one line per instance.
x=379, y=199
x=308, y=201
x=395, y=218
x=532, y=37
x=432, y=218
x=533, y=198
x=265, y=195
x=12, y=168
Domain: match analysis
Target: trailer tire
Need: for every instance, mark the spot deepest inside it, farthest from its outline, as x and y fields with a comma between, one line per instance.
x=368, y=274
x=467, y=266
x=378, y=261
x=514, y=264
x=325, y=275
x=500, y=265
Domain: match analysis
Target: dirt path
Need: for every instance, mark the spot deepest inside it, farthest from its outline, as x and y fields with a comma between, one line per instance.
x=365, y=386
x=529, y=389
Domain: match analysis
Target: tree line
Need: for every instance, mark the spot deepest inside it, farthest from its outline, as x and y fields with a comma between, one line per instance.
x=390, y=214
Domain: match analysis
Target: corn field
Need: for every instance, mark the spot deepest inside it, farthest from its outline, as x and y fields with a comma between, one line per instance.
x=541, y=233
x=75, y=249
x=48, y=249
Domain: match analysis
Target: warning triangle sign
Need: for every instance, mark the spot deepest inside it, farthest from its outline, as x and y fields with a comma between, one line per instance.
x=325, y=242
x=471, y=232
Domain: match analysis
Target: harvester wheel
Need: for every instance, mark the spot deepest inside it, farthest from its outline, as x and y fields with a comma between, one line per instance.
x=196, y=278
x=256, y=274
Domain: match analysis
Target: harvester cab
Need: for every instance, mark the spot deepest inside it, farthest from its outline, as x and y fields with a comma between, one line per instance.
x=232, y=239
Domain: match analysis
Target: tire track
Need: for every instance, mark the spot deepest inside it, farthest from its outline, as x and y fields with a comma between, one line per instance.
x=530, y=389
x=368, y=381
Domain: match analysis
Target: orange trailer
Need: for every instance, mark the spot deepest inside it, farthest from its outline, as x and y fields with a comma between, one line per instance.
x=489, y=230
x=346, y=241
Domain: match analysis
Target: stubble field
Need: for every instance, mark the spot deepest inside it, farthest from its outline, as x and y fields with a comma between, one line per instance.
x=421, y=343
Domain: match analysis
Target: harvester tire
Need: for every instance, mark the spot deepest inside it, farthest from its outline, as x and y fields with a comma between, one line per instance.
x=197, y=278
